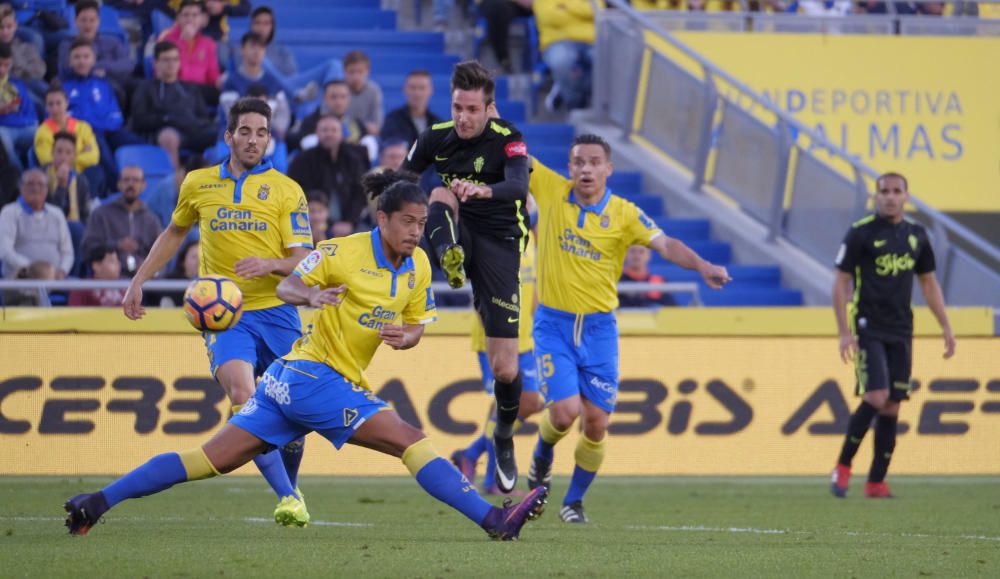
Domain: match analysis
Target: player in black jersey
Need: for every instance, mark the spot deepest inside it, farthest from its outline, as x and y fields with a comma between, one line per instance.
x=879, y=255
x=477, y=223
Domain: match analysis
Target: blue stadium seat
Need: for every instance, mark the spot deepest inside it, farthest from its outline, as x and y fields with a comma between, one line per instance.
x=154, y=161
x=652, y=205
x=357, y=39
x=392, y=84
x=336, y=18
x=625, y=183
x=735, y=297
x=548, y=135
x=685, y=229
x=714, y=251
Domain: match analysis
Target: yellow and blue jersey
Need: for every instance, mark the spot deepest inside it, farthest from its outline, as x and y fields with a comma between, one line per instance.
x=582, y=249
x=261, y=214
x=525, y=343
x=346, y=336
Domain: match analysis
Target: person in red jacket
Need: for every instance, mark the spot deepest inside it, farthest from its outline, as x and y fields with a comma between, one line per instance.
x=637, y=269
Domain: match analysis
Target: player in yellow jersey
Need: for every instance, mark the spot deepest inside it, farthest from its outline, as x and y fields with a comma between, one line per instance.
x=372, y=287
x=583, y=234
x=531, y=399
x=254, y=225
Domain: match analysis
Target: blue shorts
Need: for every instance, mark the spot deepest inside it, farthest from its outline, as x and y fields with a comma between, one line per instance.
x=529, y=372
x=297, y=397
x=259, y=338
x=577, y=354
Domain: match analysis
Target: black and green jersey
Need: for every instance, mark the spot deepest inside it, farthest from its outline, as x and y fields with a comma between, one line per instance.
x=883, y=257
x=482, y=160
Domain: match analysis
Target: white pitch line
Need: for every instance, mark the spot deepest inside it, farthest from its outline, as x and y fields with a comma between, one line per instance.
x=751, y=530
x=317, y=523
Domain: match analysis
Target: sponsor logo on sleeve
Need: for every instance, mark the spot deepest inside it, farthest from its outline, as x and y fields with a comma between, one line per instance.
x=300, y=223
x=516, y=149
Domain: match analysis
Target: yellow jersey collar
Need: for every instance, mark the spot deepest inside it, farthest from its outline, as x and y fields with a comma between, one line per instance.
x=382, y=261
x=224, y=173
x=597, y=208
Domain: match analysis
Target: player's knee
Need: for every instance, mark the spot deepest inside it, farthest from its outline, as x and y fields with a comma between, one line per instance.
x=562, y=415
x=442, y=195
x=505, y=370
x=877, y=398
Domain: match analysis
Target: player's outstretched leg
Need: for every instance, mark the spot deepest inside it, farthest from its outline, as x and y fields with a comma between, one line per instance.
x=508, y=396
x=885, y=444
x=540, y=473
x=856, y=429
x=386, y=432
x=442, y=236
x=231, y=448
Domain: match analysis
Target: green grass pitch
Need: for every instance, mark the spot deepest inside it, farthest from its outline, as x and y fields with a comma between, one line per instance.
x=387, y=527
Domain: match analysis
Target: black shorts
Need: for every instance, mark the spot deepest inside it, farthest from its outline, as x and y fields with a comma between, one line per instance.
x=884, y=364
x=493, y=266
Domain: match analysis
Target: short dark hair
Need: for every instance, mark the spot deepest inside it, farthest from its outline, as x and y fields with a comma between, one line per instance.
x=470, y=75
x=5, y=50
x=79, y=41
x=393, y=189
x=419, y=72
x=244, y=106
x=99, y=252
x=185, y=3
x=63, y=136
x=55, y=87
x=317, y=195
x=274, y=21
x=334, y=82
x=906, y=184
x=82, y=5
x=592, y=139
x=163, y=46
x=355, y=57
x=252, y=37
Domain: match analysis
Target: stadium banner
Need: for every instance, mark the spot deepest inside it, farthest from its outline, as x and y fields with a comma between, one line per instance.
x=923, y=106
x=103, y=404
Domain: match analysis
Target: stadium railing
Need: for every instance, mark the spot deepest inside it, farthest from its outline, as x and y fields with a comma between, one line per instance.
x=43, y=287
x=670, y=99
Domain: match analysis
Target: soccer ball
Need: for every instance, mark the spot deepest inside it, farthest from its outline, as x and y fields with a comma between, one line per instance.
x=213, y=303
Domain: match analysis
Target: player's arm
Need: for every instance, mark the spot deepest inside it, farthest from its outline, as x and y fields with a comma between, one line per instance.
x=254, y=267
x=165, y=247
x=935, y=301
x=676, y=251
x=401, y=337
x=418, y=159
x=841, y=294
x=294, y=291
x=514, y=187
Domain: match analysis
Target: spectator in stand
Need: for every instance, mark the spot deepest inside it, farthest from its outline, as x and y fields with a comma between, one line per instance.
x=199, y=58
x=103, y=263
x=392, y=154
x=17, y=115
x=125, y=223
x=250, y=71
x=185, y=267
x=92, y=99
x=219, y=12
x=366, y=95
x=68, y=190
x=39, y=270
x=566, y=39
x=637, y=270
x=336, y=102
x=171, y=112
x=319, y=215
x=9, y=175
x=32, y=230
x=821, y=7
x=335, y=168
x=408, y=121
x=113, y=61
x=499, y=14
x=905, y=8
x=279, y=56
x=87, y=150
x=29, y=66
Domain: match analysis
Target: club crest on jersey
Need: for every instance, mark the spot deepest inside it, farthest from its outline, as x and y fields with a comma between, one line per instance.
x=263, y=192
x=913, y=242
x=412, y=281
x=478, y=164
x=605, y=221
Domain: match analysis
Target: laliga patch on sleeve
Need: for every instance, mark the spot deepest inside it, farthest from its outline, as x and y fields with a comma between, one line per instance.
x=300, y=223
x=310, y=262
x=516, y=149
x=840, y=254
x=409, y=155
x=645, y=220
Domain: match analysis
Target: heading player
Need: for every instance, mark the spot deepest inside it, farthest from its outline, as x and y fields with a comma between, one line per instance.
x=583, y=235
x=879, y=255
x=254, y=225
x=478, y=224
x=321, y=386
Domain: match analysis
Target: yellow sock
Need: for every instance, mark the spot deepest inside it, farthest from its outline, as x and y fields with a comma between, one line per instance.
x=548, y=432
x=196, y=464
x=417, y=455
x=590, y=454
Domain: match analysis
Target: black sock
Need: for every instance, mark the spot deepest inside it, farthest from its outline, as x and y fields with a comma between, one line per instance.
x=508, y=395
x=856, y=429
x=441, y=233
x=885, y=443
